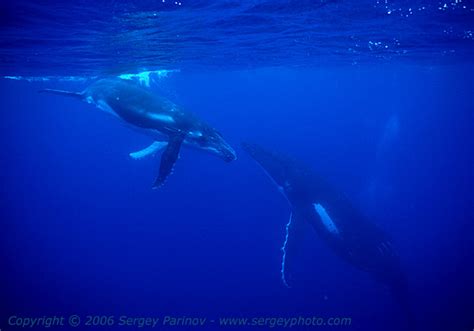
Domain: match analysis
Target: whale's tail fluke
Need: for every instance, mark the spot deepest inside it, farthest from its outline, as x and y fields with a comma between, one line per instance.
x=62, y=92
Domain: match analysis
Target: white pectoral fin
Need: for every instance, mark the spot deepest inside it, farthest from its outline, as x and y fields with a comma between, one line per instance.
x=150, y=150
x=326, y=220
x=291, y=247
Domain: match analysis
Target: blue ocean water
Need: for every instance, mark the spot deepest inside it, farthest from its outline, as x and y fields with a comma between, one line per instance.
x=376, y=96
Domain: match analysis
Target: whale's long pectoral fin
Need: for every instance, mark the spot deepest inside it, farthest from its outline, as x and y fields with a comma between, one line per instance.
x=168, y=159
x=291, y=247
x=148, y=151
x=62, y=92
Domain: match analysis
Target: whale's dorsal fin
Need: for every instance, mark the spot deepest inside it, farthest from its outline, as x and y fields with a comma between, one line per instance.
x=168, y=159
x=148, y=151
x=62, y=92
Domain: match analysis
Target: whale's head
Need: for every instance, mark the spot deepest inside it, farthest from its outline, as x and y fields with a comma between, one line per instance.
x=275, y=166
x=211, y=140
x=292, y=178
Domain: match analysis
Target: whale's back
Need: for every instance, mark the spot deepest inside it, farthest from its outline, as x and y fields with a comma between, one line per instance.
x=133, y=103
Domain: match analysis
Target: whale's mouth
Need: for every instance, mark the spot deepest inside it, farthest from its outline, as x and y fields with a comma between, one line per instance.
x=230, y=157
x=213, y=142
x=223, y=149
x=229, y=154
x=226, y=152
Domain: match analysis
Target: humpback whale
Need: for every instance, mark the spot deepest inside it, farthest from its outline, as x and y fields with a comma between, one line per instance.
x=334, y=218
x=162, y=120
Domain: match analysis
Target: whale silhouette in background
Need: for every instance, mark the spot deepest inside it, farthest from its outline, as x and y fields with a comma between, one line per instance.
x=334, y=218
x=159, y=118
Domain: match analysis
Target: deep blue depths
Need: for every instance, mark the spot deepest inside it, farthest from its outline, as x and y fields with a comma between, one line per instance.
x=84, y=233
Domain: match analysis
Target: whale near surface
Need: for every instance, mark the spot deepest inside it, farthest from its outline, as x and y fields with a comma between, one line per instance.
x=167, y=124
